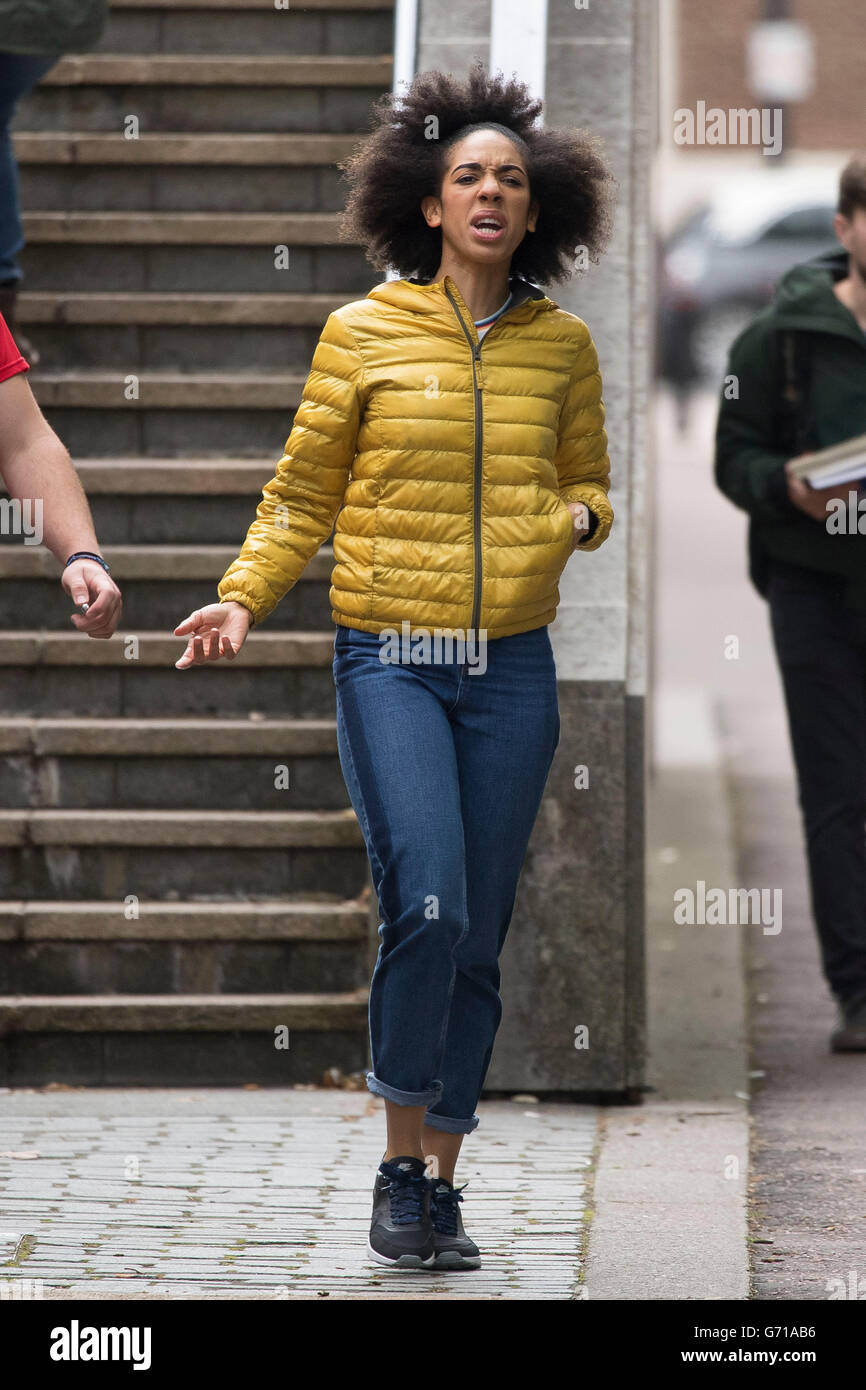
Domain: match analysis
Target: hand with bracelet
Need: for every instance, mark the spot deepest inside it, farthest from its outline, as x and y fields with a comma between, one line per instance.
x=87, y=580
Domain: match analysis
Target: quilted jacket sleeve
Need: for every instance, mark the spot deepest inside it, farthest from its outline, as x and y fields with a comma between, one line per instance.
x=300, y=503
x=581, y=458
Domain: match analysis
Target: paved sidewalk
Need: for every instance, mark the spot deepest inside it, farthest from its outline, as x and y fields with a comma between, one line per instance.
x=670, y=1190
x=808, y=1188
x=237, y=1194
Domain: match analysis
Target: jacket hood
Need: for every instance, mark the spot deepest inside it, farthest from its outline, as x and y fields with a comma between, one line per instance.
x=426, y=297
x=804, y=297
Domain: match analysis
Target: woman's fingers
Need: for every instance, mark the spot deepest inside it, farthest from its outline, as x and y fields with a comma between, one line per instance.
x=206, y=646
x=209, y=641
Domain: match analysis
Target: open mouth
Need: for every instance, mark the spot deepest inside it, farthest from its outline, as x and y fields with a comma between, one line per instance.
x=488, y=228
x=488, y=232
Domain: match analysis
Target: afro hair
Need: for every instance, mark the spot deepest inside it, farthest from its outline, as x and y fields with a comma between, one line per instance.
x=399, y=164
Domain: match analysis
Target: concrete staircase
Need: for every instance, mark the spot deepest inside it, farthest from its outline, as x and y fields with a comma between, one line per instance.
x=181, y=873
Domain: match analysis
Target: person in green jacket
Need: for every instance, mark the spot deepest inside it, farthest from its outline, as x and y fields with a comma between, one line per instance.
x=33, y=37
x=795, y=383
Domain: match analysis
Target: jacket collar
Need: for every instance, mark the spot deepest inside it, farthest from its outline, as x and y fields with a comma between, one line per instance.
x=430, y=297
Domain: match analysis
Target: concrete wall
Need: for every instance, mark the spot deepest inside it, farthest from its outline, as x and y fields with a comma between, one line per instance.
x=574, y=955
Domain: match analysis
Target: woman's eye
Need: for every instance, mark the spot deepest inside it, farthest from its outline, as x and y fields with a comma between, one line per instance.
x=514, y=181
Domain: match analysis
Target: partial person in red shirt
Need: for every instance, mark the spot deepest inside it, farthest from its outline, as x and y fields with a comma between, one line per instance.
x=35, y=467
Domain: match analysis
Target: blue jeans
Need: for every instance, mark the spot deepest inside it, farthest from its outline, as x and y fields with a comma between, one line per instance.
x=445, y=767
x=18, y=73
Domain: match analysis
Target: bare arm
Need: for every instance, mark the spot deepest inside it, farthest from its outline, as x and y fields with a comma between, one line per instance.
x=35, y=466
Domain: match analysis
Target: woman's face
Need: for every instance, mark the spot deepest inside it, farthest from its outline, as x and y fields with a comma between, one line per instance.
x=486, y=175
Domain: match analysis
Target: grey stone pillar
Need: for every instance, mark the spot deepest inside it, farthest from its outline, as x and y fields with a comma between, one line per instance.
x=574, y=955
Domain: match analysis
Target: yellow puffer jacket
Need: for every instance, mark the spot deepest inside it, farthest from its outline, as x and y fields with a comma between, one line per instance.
x=450, y=462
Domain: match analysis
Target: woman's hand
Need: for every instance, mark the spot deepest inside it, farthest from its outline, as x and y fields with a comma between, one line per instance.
x=218, y=630
x=580, y=517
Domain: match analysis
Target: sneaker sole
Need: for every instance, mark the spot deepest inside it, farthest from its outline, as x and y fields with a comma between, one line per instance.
x=452, y=1259
x=402, y=1261
x=848, y=1042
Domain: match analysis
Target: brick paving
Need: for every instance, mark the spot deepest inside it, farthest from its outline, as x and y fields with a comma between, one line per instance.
x=237, y=1194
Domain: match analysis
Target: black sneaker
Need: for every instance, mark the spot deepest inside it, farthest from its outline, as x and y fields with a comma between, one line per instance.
x=454, y=1249
x=850, y=1036
x=400, y=1231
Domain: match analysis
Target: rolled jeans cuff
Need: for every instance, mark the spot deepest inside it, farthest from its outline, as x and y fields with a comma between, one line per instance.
x=449, y=1124
x=380, y=1088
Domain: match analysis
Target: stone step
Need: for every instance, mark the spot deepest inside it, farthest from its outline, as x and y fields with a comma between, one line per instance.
x=212, y=948
x=278, y=173
x=230, y=830
x=286, y=920
x=154, y=563
x=39, y=648
x=145, y=1013
x=243, y=28
x=171, y=501
x=170, y=390
x=178, y=1059
x=217, y=70
x=183, y=310
x=217, y=92
x=173, y=968
x=92, y=948
x=178, y=309
x=348, y=6
x=217, y=188
x=159, y=583
x=154, y=432
x=87, y=148
x=224, y=108
x=185, y=1040
x=197, y=782
x=121, y=854
x=156, y=352
x=192, y=351
x=146, y=602
x=146, y=764
x=198, y=269
x=185, y=229
x=188, y=738
x=160, y=477
x=278, y=673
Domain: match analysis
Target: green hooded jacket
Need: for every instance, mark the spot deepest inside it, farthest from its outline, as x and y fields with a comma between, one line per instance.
x=751, y=433
x=51, y=26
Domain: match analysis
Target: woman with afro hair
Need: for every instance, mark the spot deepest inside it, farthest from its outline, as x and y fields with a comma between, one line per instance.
x=452, y=424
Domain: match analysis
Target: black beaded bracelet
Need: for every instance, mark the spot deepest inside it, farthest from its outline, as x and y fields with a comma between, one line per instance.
x=87, y=555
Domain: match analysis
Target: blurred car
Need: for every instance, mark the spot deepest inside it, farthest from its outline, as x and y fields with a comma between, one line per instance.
x=724, y=261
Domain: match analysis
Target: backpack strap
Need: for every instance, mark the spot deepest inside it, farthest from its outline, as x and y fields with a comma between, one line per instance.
x=795, y=350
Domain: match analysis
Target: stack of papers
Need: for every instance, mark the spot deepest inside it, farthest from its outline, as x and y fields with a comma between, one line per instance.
x=841, y=463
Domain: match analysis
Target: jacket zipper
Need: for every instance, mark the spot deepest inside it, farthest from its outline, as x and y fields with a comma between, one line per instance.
x=475, y=349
